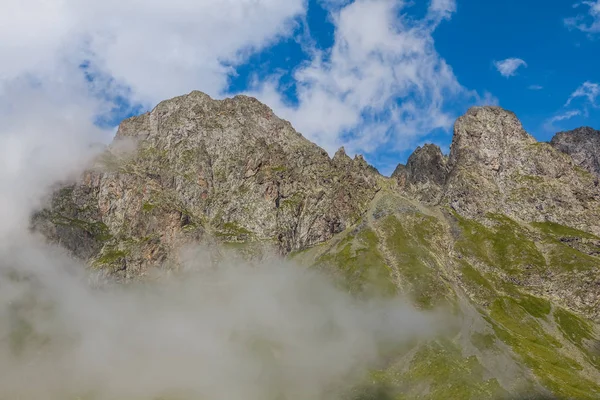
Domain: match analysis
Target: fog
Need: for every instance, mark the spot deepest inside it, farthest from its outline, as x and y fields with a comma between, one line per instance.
x=230, y=329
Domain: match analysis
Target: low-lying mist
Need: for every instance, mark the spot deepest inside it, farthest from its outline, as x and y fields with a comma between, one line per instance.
x=225, y=330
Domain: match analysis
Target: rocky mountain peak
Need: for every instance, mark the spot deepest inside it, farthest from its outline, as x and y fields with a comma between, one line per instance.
x=583, y=145
x=427, y=164
x=496, y=166
x=227, y=168
x=424, y=173
x=488, y=137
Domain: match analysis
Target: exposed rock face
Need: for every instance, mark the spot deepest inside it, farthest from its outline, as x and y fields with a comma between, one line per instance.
x=230, y=168
x=495, y=166
x=583, y=144
x=424, y=173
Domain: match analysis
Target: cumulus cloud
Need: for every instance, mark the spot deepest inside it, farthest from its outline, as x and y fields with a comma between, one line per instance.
x=588, y=22
x=156, y=49
x=381, y=84
x=588, y=90
x=509, y=67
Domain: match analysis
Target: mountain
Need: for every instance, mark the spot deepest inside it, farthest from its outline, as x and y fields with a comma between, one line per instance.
x=227, y=169
x=503, y=233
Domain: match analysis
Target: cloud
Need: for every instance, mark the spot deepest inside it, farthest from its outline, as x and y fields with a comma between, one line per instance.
x=158, y=50
x=588, y=23
x=442, y=9
x=535, y=87
x=588, y=90
x=509, y=67
x=228, y=330
x=549, y=124
x=381, y=84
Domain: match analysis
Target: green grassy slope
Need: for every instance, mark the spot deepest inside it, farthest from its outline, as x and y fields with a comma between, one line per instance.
x=524, y=329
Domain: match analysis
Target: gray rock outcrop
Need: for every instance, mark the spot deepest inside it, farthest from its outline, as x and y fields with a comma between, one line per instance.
x=583, y=144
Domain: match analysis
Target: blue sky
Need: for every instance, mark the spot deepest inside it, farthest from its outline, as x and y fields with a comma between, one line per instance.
x=378, y=77
x=559, y=60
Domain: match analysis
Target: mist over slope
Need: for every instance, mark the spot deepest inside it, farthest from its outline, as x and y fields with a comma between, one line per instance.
x=218, y=330
x=253, y=265
x=222, y=326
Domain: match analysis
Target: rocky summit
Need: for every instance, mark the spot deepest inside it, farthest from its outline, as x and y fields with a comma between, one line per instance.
x=504, y=233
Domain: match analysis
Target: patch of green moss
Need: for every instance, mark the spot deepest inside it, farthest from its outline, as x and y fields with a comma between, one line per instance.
x=234, y=231
x=565, y=258
x=279, y=168
x=579, y=332
x=573, y=327
x=535, y=306
x=449, y=375
x=235, y=228
x=292, y=202
x=97, y=229
x=148, y=207
x=152, y=153
x=540, y=351
x=558, y=230
x=363, y=267
x=411, y=248
x=110, y=257
x=528, y=179
x=505, y=245
x=474, y=278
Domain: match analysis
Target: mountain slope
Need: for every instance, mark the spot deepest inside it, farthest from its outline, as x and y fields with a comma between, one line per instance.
x=195, y=167
x=503, y=234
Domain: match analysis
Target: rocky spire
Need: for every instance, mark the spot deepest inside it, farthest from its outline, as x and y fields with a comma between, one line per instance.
x=424, y=173
x=495, y=166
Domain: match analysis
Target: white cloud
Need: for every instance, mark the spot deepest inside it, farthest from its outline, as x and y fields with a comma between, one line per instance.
x=509, y=67
x=549, y=124
x=590, y=22
x=535, y=87
x=442, y=9
x=382, y=82
x=158, y=49
x=588, y=90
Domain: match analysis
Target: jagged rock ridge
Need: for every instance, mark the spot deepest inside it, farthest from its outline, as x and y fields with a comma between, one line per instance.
x=228, y=168
x=424, y=174
x=495, y=166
